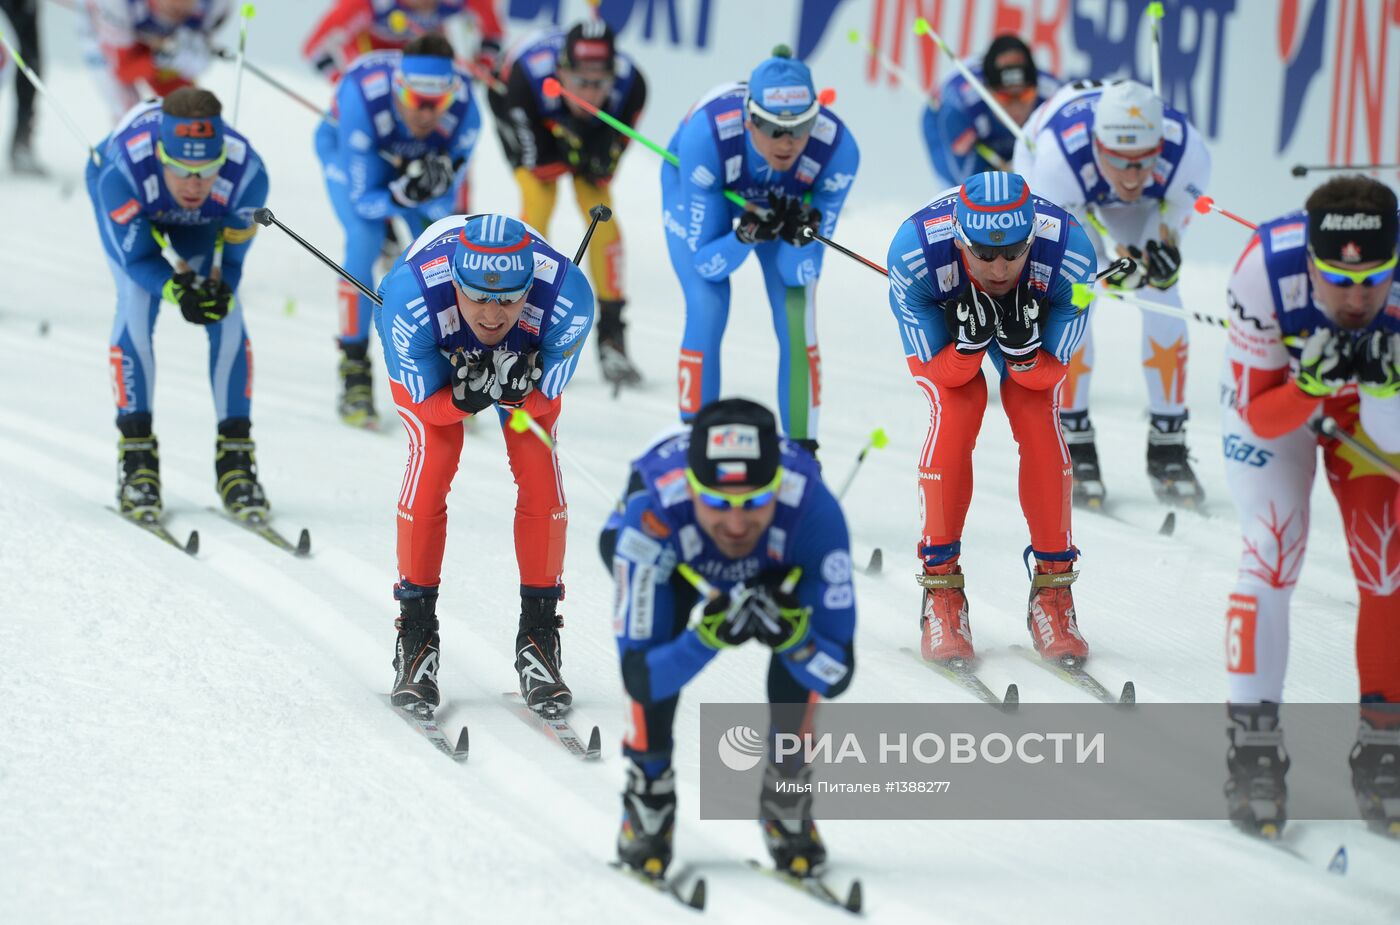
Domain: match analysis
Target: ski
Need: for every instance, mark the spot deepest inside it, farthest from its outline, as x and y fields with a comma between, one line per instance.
x=154, y=527
x=1097, y=506
x=696, y=899
x=420, y=717
x=877, y=562
x=556, y=727
x=1076, y=675
x=814, y=886
x=257, y=525
x=961, y=674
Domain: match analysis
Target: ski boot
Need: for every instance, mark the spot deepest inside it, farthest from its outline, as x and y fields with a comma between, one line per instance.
x=1084, y=460
x=947, y=635
x=237, y=471
x=1050, y=612
x=416, y=651
x=138, y=469
x=612, y=346
x=1256, y=793
x=648, y=821
x=786, y=818
x=1375, y=776
x=537, y=658
x=356, y=406
x=1168, y=466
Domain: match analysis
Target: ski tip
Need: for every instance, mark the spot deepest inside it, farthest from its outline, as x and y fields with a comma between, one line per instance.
x=1129, y=695
x=192, y=544
x=696, y=900
x=1338, y=864
x=595, y=746
x=855, y=898
x=1012, y=700
x=877, y=561
x=304, y=543
x=459, y=751
x=1168, y=524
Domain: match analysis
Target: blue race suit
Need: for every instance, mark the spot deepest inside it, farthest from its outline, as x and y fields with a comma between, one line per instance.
x=962, y=128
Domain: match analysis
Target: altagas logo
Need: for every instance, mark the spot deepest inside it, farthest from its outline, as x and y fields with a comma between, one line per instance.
x=740, y=748
x=1357, y=221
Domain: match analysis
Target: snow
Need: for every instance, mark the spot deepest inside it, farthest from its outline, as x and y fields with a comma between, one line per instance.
x=203, y=740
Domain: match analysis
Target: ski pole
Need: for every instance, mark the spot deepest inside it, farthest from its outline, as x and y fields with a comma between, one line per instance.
x=877, y=441
x=1155, y=13
x=1147, y=306
x=522, y=420
x=922, y=27
x=1205, y=204
x=265, y=218
x=49, y=98
x=553, y=88
x=599, y=213
x=271, y=81
x=1328, y=427
x=245, y=13
x=1301, y=170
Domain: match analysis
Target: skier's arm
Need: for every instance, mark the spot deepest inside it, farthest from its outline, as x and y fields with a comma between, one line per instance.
x=655, y=666
x=127, y=233
x=799, y=266
x=928, y=350
x=1191, y=180
x=953, y=129
x=324, y=47
x=368, y=174
x=239, y=228
x=824, y=662
x=524, y=132
x=1065, y=323
x=1266, y=396
x=420, y=376
x=563, y=343
x=460, y=150
x=718, y=252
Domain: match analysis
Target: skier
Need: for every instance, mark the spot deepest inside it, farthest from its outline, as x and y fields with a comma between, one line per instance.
x=1130, y=170
x=1316, y=332
x=546, y=137
x=175, y=179
x=731, y=509
x=963, y=134
x=481, y=311
x=24, y=17
x=351, y=28
x=141, y=48
x=773, y=143
x=403, y=128
x=987, y=271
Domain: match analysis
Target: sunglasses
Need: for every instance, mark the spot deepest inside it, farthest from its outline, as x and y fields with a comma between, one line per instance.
x=775, y=129
x=415, y=100
x=579, y=82
x=725, y=501
x=1345, y=279
x=1023, y=95
x=1119, y=162
x=185, y=171
x=989, y=252
x=483, y=295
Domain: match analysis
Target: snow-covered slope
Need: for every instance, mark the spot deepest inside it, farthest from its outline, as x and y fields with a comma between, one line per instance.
x=187, y=740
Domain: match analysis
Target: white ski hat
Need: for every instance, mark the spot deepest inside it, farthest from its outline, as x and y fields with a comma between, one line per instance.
x=1128, y=117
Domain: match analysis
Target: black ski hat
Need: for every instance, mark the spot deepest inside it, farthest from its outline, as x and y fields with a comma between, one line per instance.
x=589, y=42
x=734, y=441
x=1009, y=63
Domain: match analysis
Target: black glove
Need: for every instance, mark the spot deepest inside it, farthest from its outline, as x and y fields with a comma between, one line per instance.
x=423, y=178
x=800, y=217
x=198, y=302
x=778, y=618
x=474, y=387
x=1130, y=277
x=1376, y=357
x=971, y=319
x=516, y=375
x=1326, y=363
x=595, y=160
x=1019, y=317
x=216, y=297
x=755, y=227
x=1163, y=264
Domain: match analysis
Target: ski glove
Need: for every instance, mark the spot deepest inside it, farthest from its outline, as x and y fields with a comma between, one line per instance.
x=1376, y=357
x=1326, y=363
x=1131, y=277
x=474, y=386
x=757, y=609
x=595, y=161
x=423, y=179
x=217, y=297
x=800, y=217
x=196, y=302
x=755, y=227
x=1163, y=264
x=516, y=375
x=971, y=318
x=1019, y=317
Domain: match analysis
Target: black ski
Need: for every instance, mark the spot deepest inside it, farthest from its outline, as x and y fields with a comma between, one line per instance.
x=257, y=525
x=420, y=717
x=1076, y=675
x=696, y=899
x=877, y=562
x=813, y=885
x=152, y=525
x=1098, y=506
x=961, y=674
x=557, y=728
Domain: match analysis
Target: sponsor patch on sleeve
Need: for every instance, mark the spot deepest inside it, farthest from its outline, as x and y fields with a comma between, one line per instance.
x=825, y=129
x=1287, y=237
x=375, y=85
x=793, y=487
x=636, y=546
x=1047, y=227
x=729, y=124
x=436, y=271
x=239, y=235
x=220, y=191
x=827, y=668
x=384, y=123
x=733, y=166
x=546, y=267
x=530, y=318
x=671, y=487
x=125, y=212
x=1293, y=289
x=964, y=142
x=139, y=147
x=236, y=149
x=938, y=228
x=1173, y=131
x=807, y=169
x=1075, y=138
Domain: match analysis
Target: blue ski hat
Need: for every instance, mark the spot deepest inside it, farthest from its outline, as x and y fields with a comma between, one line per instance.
x=192, y=139
x=994, y=209
x=495, y=254
x=427, y=75
x=781, y=87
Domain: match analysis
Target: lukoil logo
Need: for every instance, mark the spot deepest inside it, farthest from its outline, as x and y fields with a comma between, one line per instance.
x=981, y=220
x=500, y=263
x=740, y=748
